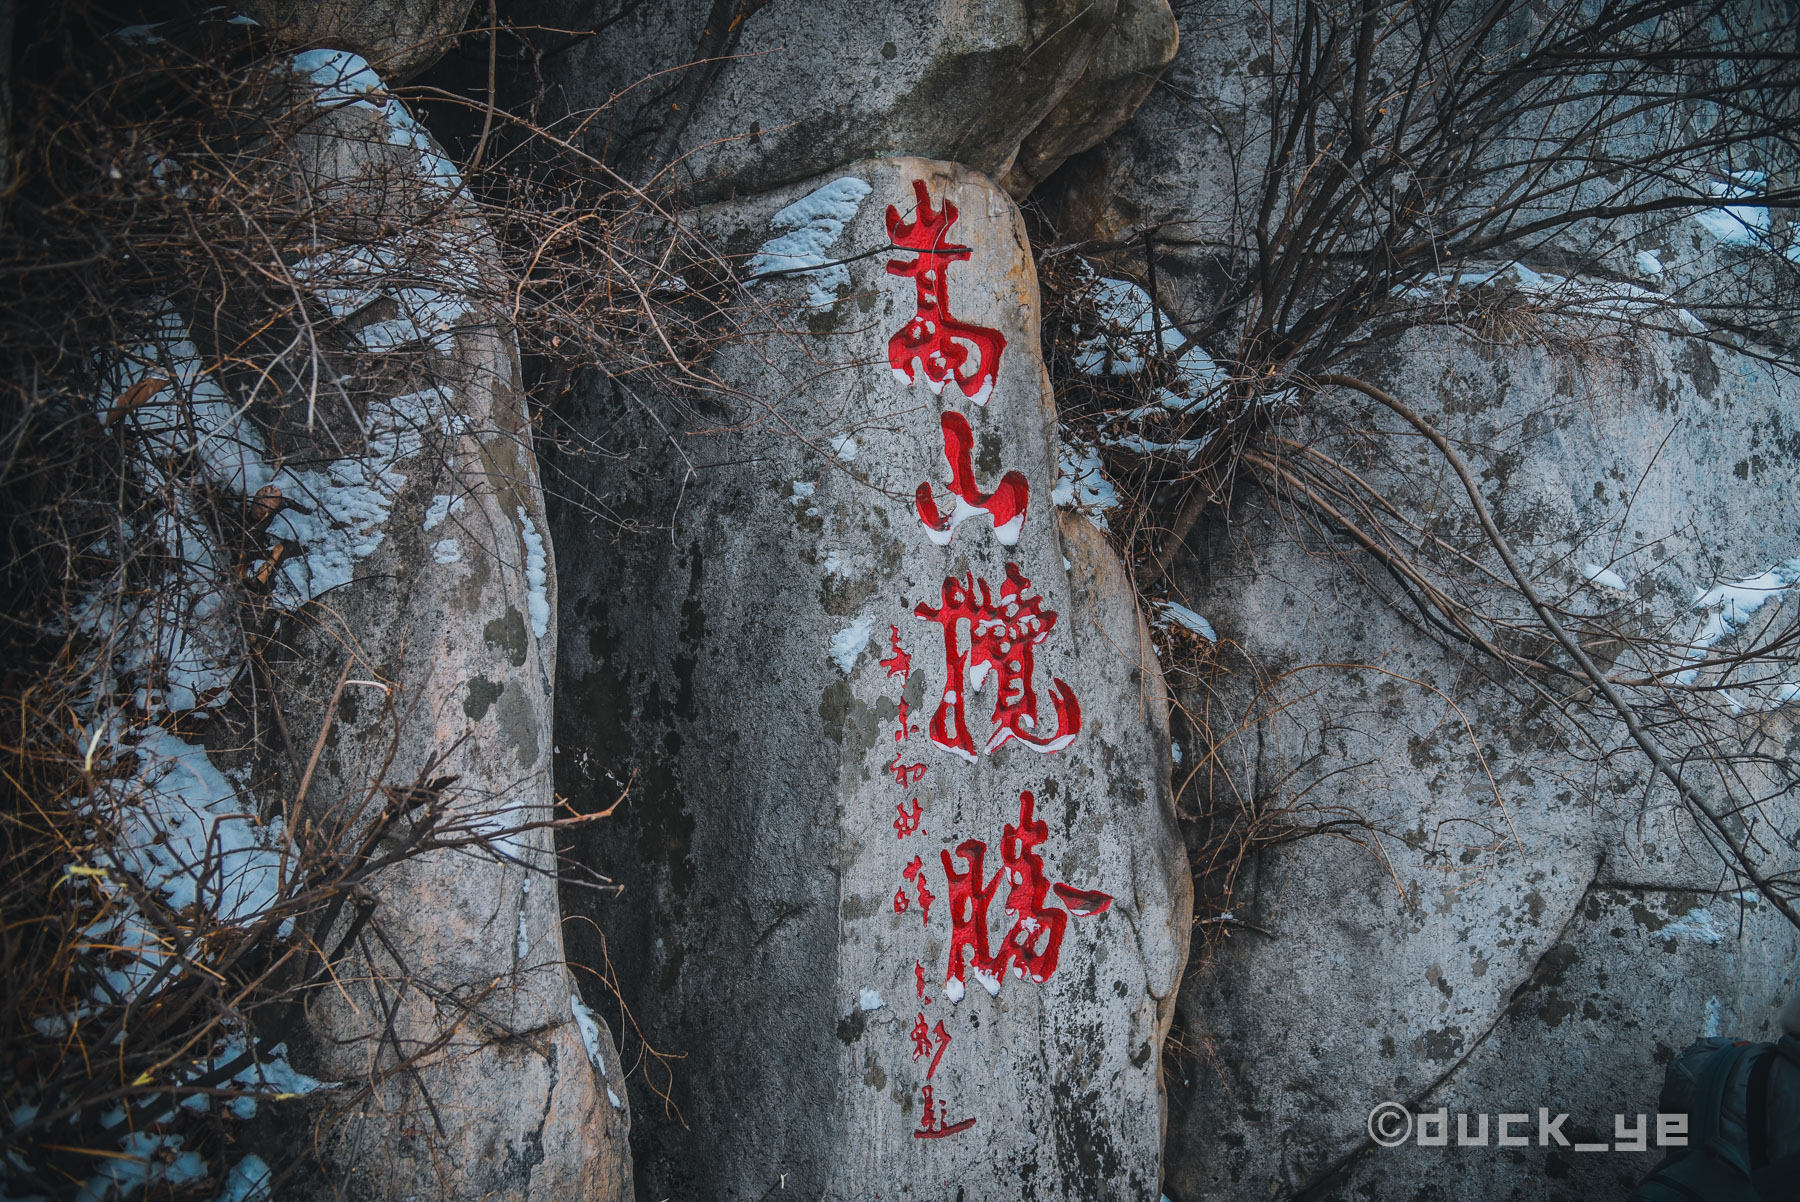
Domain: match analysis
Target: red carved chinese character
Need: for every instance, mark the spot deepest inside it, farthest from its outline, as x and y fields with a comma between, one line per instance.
x=906, y=774
x=904, y=732
x=931, y=1123
x=1035, y=941
x=1002, y=638
x=922, y=1036
x=901, y=901
x=906, y=824
x=919, y=979
x=915, y=872
x=1005, y=505
x=943, y=1041
x=938, y=342
x=969, y=900
x=899, y=663
x=1033, y=944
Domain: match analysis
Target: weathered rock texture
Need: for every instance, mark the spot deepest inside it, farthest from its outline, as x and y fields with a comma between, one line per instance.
x=1547, y=939
x=1529, y=919
x=1131, y=55
x=400, y=38
x=467, y=979
x=780, y=92
x=731, y=666
x=1187, y=164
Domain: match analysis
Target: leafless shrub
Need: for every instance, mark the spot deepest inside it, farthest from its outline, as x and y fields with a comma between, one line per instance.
x=211, y=319
x=1401, y=168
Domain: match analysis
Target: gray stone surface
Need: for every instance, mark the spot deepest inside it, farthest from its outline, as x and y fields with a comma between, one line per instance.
x=400, y=37
x=468, y=974
x=1518, y=914
x=1544, y=940
x=1132, y=54
x=1634, y=976
x=794, y=89
x=1187, y=166
x=707, y=662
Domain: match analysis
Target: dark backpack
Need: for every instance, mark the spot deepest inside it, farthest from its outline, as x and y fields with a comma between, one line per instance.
x=1743, y=1106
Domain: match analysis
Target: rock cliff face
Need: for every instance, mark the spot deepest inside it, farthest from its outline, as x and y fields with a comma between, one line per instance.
x=901, y=873
x=397, y=536
x=1530, y=918
x=399, y=38
x=1540, y=923
x=756, y=95
x=1521, y=891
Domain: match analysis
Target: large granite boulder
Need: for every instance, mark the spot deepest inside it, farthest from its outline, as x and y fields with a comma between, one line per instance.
x=901, y=883
x=1523, y=915
x=466, y=1065
x=1517, y=912
x=399, y=38
x=749, y=96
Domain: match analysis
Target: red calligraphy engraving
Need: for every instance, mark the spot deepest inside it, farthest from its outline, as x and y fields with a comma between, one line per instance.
x=943, y=1041
x=919, y=979
x=969, y=900
x=901, y=901
x=906, y=774
x=934, y=340
x=1005, y=505
x=1083, y=903
x=906, y=824
x=1003, y=638
x=899, y=663
x=931, y=1123
x=923, y=1036
x=904, y=731
x=1032, y=946
x=1034, y=943
x=915, y=872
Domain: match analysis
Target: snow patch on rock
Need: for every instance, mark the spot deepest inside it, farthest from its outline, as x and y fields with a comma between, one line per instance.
x=430, y=275
x=1081, y=484
x=441, y=507
x=1696, y=924
x=183, y=833
x=589, y=1025
x=1169, y=613
x=1729, y=606
x=1137, y=321
x=537, y=574
x=813, y=223
x=1593, y=573
x=248, y=1181
x=848, y=643
x=1736, y=224
x=1594, y=300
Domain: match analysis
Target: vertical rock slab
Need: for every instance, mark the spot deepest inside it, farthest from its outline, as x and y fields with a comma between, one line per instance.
x=463, y=1065
x=901, y=877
